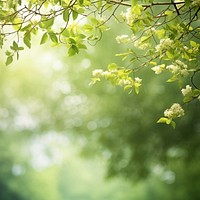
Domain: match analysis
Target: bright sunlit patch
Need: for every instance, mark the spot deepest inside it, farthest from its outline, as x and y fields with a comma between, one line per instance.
x=47, y=150
x=23, y=119
x=61, y=86
x=18, y=170
x=57, y=65
x=85, y=63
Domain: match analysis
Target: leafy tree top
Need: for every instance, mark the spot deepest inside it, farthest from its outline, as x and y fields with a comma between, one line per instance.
x=164, y=36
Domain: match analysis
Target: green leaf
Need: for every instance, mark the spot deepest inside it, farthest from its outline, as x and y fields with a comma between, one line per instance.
x=74, y=14
x=20, y=2
x=168, y=13
x=137, y=90
x=15, y=46
x=187, y=3
x=134, y=2
x=44, y=38
x=173, y=124
x=17, y=23
x=144, y=38
x=8, y=53
x=72, y=41
x=53, y=37
x=82, y=46
x=172, y=79
x=160, y=33
x=99, y=5
x=196, y=92
x=187, y=99
x=9, y=60
x=153, y=63
x=163, y=120
x=17, y=55
x=81, y=2
x=66, y=15
x=65, y=33
x=193, y=43
x=94, y=80
x=3, y=13
x=48, y=23
x=169, y=55
x=127, y=87
x=27, y=39
x=73, y=50
x=88, y=27
x=25, y=28
x=20, y=48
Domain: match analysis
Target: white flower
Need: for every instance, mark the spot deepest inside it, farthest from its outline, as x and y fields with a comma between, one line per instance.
x=181, y=64
x=184, y=72
x=133, y=37
x=106, y=73
x=124, y=82
x=97, y=72
x=141, y=45
x=130, y=16
x=123, y=39
x=138, y=80
x=187, y=90
x=178, y=68
x=158, y=69
x=175, y=111
x=173, y=68
x=164, y=45
x=168, y=113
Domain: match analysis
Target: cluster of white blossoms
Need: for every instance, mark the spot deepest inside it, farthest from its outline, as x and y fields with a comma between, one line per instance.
x=187, y=90
x=132, y=14
x=125, y=39
x=158, y=69
x=175, y=111
x=178, y=68
x=141, y=45
x=123, y=82
x=118, y=77
x=164, y=44
x=128, y=16
x=137, y=81
x=97, y=72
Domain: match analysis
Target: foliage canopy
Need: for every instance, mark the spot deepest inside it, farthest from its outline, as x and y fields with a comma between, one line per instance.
x=161, y=35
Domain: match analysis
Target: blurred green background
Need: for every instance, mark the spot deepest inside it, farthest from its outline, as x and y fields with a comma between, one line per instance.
x=61, y=139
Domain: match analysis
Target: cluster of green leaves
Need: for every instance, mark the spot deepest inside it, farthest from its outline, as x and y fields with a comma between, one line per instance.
x=14, y=49
x=118, y=126
x=24, y=19
x=165, y=35
x=117, y=76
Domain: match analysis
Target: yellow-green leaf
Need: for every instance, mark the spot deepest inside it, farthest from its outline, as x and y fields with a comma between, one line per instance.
x=44, y=38
x=66, y=15
x=27, y=40
x=53, y=37
x=9, y=60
